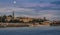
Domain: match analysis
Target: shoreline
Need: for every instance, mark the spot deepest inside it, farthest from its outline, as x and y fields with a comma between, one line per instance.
x=4, y=25
x=20, y=25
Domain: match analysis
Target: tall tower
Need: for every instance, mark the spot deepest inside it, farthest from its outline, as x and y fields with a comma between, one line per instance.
x=45, y=19
x=13, y=15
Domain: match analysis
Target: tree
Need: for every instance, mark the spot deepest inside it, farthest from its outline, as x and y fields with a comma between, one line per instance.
x=3, y=18
x=9, y=15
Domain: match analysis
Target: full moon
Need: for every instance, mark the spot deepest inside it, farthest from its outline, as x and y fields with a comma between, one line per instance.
x=14, y=2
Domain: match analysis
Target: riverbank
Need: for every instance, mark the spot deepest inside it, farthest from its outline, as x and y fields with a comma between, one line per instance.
x=25, y=24
x=13, y=25
x=20, y=25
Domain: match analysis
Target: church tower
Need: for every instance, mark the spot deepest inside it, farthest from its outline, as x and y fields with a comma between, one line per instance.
x=13, y=15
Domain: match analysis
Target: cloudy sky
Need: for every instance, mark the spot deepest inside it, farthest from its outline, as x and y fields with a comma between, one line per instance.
x=31, y=8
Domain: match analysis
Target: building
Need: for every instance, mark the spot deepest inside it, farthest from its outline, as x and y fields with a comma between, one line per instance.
x=46, y=23
x=26, y=19
x=8, y=18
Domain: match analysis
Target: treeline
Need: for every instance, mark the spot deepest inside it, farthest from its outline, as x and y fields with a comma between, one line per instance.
x=4, y=17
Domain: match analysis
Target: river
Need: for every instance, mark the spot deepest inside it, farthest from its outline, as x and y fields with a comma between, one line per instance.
x=42, y=30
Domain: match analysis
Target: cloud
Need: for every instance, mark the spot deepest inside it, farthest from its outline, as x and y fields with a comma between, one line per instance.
x=32, y=8
x=40, y=6
x=56, y=2
x=10, y=9
x=50, y=14
x=36, y=4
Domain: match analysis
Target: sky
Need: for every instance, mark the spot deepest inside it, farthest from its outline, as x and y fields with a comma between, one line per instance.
x=31, y=8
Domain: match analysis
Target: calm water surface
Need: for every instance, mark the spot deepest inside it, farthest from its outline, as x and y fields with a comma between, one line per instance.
x=44, y=30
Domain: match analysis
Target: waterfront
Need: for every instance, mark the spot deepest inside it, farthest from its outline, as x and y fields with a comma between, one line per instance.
x=40, y=30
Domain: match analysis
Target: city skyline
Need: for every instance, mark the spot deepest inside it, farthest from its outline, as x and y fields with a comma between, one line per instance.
x=31, y=8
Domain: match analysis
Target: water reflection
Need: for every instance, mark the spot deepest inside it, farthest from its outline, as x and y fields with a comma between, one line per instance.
x=45, y=30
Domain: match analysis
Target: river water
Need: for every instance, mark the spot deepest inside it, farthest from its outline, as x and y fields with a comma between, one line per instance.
x=42, y=30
